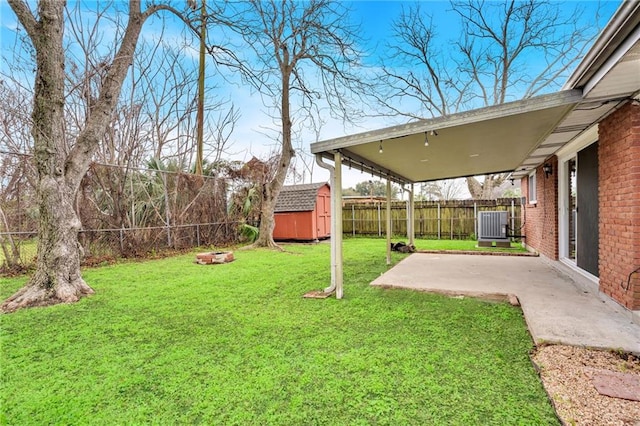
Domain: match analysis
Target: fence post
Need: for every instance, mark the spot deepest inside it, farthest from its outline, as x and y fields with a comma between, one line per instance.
x=475, y=219
x=198, y=233
x=133, y=202
x=379, y=222
x=167, y=209
x=451, y=228
x=353, y=220
x=513, y=218
x=439, y=224
x=121, y=240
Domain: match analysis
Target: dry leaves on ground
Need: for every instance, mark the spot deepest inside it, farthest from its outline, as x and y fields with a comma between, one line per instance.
x=566, y=373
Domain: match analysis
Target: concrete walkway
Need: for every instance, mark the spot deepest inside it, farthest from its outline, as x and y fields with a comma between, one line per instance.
x=558, y=307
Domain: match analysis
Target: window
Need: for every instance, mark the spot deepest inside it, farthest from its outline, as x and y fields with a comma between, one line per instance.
x=533, y=198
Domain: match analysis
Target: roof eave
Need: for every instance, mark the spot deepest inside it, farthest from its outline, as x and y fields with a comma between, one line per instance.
x=621, y=24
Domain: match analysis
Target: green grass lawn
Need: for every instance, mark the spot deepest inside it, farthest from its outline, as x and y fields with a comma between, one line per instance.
x=463, y=245
x=28, y=251
x=450, y=245
x=171, y=342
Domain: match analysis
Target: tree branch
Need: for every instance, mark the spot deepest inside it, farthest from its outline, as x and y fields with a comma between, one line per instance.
x=26, y=18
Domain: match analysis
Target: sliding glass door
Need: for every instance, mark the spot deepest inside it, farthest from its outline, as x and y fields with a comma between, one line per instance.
x=578, y=220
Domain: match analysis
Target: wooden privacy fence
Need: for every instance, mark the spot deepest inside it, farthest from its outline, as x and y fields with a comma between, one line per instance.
x=456, y=219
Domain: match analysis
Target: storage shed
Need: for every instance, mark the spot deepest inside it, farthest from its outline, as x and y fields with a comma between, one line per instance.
x=303, y=212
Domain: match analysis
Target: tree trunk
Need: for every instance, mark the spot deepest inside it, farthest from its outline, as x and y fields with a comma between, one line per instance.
x=475, y=188
x=484, y=191
x=267, y=223
x=57, y=278
x=272, y=189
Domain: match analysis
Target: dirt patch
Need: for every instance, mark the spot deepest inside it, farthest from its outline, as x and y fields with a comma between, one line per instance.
x=567, y=375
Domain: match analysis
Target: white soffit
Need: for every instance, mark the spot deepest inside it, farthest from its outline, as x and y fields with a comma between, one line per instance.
x=585, y=139
x=579, y=120
x=621, y=75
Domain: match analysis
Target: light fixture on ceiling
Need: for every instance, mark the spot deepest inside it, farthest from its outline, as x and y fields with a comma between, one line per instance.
x=380, y=148
x=433, y=133
x=547, y=169
x=426, y=139
x=511, y=181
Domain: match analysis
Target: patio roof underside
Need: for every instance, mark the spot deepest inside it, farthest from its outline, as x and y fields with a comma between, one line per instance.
x=489, y=140
x=515, y=137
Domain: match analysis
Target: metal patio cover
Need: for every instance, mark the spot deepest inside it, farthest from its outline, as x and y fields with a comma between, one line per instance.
x=487, y=140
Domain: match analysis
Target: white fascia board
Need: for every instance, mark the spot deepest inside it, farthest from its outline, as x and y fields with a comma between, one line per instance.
x=622, y=18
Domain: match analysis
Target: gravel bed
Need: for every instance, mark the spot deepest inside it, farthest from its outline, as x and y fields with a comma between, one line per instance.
x=566, y=373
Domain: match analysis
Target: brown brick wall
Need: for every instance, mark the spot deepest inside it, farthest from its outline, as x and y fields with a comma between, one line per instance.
x=541, y=219
x=619, y=197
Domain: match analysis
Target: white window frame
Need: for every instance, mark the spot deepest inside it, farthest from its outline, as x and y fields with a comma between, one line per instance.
x=532, y=189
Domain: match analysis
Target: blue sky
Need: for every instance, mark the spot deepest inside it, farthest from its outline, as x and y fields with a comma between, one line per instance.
x=375, y=18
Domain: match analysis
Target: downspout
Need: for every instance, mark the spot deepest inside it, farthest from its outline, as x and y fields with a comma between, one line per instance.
x=336, y=246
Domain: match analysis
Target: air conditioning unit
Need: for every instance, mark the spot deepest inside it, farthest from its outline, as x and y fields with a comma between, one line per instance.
x=492, y=226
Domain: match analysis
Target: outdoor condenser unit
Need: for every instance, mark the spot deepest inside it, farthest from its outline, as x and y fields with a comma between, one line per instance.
x=492, y=226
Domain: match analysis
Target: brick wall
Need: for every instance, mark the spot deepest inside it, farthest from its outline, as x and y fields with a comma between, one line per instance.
x=541, y=219
x=619, y=198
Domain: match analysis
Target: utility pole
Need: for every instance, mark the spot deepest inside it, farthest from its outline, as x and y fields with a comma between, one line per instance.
x=200, y=117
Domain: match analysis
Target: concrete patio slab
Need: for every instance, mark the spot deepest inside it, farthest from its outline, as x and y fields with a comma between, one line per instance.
x=557, y=308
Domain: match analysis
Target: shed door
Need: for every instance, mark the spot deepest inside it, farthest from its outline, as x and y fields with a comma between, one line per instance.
x=587, y=210
x=323, y=207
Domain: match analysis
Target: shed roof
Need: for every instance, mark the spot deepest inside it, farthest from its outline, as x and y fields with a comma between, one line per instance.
x=298, y=198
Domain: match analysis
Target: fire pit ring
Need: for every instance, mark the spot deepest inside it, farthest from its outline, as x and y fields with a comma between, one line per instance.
x=214, y=257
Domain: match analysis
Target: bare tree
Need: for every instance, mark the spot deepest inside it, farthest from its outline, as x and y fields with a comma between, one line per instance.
x=62, y=158
x=491, y=63
x=304, y=162
x=306, y=56
x=17, y=174
x=374, y=188
x=449, y=189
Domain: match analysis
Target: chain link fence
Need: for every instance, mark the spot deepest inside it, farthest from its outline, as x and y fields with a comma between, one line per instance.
x=19, y=249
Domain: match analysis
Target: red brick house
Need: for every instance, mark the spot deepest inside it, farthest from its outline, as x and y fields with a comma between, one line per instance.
x=585, y=210
x=586, y=213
